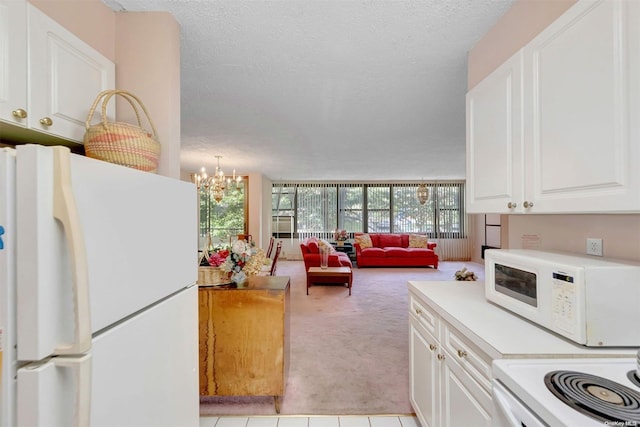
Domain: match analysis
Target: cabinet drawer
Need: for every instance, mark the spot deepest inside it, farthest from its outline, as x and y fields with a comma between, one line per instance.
x=426, y=318
x=468, y=355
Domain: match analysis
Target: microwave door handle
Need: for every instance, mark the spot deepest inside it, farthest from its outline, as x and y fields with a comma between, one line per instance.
x=66, y=211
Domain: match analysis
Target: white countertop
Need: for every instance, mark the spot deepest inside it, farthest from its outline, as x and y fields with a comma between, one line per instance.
x=498, y=332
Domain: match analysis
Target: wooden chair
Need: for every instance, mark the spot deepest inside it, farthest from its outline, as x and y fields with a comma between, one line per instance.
x=270, y=249
x=275, y=258
x=270, y=270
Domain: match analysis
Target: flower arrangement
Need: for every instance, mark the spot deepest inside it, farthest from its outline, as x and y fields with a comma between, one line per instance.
x=340, y=235
x=218, y=256
x=236, y=260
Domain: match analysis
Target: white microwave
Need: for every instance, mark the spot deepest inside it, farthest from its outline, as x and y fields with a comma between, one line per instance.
x=592, y=301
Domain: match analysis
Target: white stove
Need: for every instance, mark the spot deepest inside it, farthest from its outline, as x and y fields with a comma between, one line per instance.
x=542, y=387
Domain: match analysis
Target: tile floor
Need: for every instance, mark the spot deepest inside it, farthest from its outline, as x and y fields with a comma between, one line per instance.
x=312, y=421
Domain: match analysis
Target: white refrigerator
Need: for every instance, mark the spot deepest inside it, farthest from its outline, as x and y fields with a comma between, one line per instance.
x=98, y=302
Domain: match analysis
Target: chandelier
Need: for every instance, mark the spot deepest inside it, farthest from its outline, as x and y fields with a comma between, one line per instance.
x=217, y=183
x=422, y=193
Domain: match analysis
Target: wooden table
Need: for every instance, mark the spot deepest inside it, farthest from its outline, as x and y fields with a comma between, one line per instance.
x=329, y=275
x=244, y=338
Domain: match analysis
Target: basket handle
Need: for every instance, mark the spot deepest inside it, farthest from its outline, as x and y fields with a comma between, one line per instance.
x=107, y=94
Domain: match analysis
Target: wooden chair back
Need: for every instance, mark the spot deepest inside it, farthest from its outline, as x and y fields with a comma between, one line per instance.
x=270, y=249
x=275, y=258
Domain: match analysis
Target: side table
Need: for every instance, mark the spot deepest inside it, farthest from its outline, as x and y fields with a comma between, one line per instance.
x=330, y=275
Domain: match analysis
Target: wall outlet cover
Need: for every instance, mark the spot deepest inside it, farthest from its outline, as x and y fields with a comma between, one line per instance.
x=594, y=246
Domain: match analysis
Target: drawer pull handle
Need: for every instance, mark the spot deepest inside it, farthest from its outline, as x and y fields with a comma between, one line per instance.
x=440, y=356
x=511, y=205
x=46, y=121
x=418, y=311
x=527, y=205
x=19, y=113
x=462, y=353
x=432, y=347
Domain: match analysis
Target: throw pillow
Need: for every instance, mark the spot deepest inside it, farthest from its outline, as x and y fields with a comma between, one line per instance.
x=417, y=241
x=364, y=240
x=323, y=244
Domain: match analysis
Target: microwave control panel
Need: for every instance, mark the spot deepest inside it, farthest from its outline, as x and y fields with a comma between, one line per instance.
x=564, y=307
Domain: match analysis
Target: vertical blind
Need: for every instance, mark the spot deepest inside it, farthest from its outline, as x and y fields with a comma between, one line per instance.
x=317, y=209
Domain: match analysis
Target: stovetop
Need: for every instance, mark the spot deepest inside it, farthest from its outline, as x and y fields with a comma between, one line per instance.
x=525, y=378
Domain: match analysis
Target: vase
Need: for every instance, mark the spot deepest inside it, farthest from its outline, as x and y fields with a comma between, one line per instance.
x=340, y=243
x=238, y=277
x=324, y=257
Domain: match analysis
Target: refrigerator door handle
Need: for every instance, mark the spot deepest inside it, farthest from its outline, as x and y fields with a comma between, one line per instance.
x=81, y=368
x=66, y=211
x=55, y=392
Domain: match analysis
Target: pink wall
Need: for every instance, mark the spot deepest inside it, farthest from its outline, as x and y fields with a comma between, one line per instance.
x=620, y=233
x=148, y=53
x=519, y=25
x=90, y=20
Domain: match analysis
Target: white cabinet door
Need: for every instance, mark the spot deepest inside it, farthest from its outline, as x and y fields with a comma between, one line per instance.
x=581, y=107
x=65, y=76
x=424, y=382
x=464, y=402
x=13, y=62
x=494, y=140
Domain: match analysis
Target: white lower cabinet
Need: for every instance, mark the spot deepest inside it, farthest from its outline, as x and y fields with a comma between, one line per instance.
x=450, y=378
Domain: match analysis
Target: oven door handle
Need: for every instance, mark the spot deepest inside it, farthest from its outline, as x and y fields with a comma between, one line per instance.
x=511, y=408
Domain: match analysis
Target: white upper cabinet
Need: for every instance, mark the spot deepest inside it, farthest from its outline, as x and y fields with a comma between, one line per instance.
x=580, y=96
x=494, y=140
x=13, y=62
x=65, y=76
x=48, y=77
x=581, y=74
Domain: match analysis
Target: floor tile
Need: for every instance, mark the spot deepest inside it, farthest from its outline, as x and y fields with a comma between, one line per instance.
x=208, y=421
x=324, y=422
x=354, y=421
x=232, y=422
x=293, y=422
x=263, y=422
x=377, y=421
x=409, y=422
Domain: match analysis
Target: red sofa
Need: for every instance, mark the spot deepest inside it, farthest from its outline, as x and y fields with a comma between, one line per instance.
x=393, y=250
x=311, y=255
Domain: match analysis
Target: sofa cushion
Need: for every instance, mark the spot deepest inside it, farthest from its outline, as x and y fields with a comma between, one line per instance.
x=364, y=240
x=417, y=241
x=405, y=240
x=372, y=252
x=389, y=240
x=418, y=252
x=393, y=251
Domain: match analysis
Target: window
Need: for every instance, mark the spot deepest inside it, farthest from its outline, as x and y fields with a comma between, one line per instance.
x=227, y=218
x=318, y=209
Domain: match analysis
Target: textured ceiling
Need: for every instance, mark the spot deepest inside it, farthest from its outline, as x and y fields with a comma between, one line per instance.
x=326, y=89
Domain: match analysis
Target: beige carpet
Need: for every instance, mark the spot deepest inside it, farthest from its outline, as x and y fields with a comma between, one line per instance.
x=349, y=354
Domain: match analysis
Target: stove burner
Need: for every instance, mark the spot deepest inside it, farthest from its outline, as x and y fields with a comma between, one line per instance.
x=633, y=377
x=596, y=397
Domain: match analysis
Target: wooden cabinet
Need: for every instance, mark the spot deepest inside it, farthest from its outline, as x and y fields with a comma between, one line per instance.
x=450, y=378
x=53, y=77
x=244, y=338
x=578, y=145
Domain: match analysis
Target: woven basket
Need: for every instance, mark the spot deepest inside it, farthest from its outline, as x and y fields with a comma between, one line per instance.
x=122, y=143
x=212, y=276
